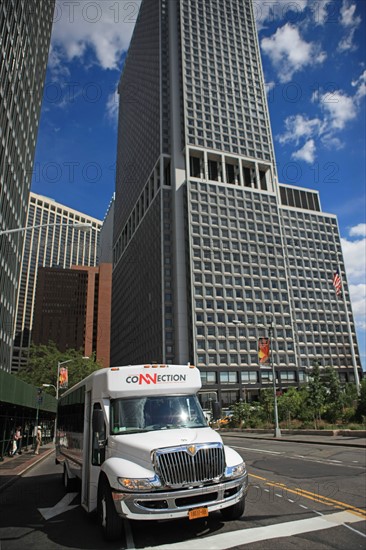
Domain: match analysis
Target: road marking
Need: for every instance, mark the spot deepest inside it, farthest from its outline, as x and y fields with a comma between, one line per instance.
x=315, y=497
x=258, y=450
x=60, y=507
x=302, y=457
x=224, y=541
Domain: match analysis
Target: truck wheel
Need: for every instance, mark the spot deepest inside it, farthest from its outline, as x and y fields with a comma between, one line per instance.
x=235, y=511
x=108, y=519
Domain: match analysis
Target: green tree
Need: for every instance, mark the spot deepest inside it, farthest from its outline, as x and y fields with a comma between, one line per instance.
x=361, y=408
x=42, y=366
x=289, y=405
x=267, y=403
x=241, y=413
x=334, y=395
x=315, y=394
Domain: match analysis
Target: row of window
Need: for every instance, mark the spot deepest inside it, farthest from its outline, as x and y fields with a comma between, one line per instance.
x=248, y=376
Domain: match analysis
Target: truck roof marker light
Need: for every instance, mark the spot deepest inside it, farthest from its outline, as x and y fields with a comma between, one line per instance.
x=114, y=368
x=147, y=366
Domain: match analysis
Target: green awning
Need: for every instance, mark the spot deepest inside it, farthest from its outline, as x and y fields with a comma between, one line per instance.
x=17, y=392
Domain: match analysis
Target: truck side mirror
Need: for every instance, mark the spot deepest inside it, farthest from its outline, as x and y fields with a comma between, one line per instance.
x=98, y=420
x=216, y=410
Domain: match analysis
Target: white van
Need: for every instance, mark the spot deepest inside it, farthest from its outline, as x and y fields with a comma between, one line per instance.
x=137, y=438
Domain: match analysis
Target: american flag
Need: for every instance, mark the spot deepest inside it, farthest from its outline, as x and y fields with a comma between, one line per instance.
x=337, y=282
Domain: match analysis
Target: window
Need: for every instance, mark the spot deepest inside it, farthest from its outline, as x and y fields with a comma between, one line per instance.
x=229, y=377
x=249, y=377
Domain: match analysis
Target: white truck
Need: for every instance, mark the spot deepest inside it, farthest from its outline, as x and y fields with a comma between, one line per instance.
x=137, y=438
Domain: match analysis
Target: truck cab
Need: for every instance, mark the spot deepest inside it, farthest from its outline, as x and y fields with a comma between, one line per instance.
x=147, y=450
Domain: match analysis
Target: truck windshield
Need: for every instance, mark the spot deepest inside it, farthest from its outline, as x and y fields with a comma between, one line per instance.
x=147, y=414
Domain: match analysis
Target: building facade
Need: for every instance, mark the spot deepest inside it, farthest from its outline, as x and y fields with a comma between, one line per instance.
x=60, y=245
x=206, y=240
x=73, y=309
x=25, y=31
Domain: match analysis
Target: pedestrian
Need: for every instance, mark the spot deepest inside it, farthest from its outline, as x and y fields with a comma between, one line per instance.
x=38, y=440
x=18, y=439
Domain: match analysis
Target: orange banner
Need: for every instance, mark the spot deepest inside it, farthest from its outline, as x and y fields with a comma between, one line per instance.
x=63, y=378
x=264, y=350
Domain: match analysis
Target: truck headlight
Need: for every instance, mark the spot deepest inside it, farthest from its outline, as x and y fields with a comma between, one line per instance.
x=235, y=471
x=140, y=484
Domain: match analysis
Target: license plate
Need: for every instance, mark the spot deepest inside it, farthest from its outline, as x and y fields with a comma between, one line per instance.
x=198, y=513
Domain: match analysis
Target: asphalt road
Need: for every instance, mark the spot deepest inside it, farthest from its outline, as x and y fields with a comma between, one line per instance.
x=301, y=496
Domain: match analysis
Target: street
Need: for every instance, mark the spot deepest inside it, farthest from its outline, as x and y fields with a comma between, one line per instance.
x=301, y=495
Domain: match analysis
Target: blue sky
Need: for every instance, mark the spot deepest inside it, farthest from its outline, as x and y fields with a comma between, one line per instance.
x=313, y=55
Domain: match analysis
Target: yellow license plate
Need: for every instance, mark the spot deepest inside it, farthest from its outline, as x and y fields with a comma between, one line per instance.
x=198, y=513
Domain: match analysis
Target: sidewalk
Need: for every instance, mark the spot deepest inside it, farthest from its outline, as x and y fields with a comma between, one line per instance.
x=13, y=466
x=344, y=441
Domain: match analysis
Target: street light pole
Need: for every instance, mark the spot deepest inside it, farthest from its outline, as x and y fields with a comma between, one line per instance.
x=277, y=432
x=82, y=226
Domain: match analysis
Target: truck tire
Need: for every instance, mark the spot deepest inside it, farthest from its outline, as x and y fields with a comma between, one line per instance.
x=235, y=511
x=108, y=519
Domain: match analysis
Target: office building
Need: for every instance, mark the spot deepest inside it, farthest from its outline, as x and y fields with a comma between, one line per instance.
x=59, y=245
x=25, y=31
x=72, y=309
x=209, y=248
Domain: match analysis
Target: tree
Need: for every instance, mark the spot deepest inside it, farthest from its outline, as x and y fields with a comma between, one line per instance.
x=334, y=395
x=316, y=394
x=241, y=413
x=267, y=402
x=290, y=404
x=42, y=366
x=361, y=408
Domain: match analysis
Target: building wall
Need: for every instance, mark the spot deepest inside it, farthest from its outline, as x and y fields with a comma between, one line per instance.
x=25, y=30
x=226, y=223
x=56, y=246
x=73, y=309
x=60, y=308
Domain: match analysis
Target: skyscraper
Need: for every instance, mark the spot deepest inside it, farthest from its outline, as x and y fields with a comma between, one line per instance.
x=59, y=245
x=25, y=30
x=206, y=241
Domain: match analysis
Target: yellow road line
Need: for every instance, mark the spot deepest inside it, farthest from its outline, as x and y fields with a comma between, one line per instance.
x=315, y=497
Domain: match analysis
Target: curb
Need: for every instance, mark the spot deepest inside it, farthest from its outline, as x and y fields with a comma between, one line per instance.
x=312, y=442
x=26, y=467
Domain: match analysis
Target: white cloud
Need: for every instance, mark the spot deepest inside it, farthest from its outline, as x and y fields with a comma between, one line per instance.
x=355, y=259
x=112, y=107
x=350, y=22
x=354, y=252
x=361, y=86
x=358, y=298
x=338, y=110
x=289, y=53
x=292, y=11
x=298, y=127
x=321, y=12
x=306, y=153
x=358, y=230
x=339, y=107
x=105, y=27
x=348, y=18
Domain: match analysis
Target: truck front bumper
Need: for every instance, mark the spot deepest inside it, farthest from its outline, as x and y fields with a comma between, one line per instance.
x=177, y=504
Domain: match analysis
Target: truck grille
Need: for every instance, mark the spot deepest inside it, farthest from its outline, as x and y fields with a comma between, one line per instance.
x=190, y=464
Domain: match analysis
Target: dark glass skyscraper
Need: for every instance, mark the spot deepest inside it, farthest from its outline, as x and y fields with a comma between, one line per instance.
x=25, y=31
x=209, y=248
